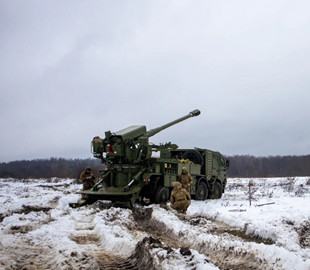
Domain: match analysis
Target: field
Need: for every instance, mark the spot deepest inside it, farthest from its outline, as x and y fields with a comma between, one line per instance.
x=38, y=229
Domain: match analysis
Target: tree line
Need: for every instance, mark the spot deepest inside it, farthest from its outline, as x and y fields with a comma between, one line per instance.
x=240, y=166
x=271, y=166
x=48, y=168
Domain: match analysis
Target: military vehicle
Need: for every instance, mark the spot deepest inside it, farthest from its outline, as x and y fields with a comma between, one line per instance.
x=133, y=174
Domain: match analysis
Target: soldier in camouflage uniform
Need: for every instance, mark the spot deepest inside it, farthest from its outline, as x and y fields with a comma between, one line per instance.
x=87, y=178
x=180, y=198
x=186, y=179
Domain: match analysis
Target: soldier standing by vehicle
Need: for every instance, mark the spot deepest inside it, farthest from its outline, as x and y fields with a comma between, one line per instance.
x=180, y=198
x=87, y=178
x=186, y=179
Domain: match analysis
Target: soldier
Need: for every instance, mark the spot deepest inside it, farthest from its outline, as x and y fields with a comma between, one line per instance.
x=87, y=178
x=186, y=179
x=180, y=198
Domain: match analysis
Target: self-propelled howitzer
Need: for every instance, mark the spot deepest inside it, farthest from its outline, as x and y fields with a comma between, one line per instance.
x=132, y=175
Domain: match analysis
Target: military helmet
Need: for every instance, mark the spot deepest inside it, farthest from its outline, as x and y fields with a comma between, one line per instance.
x=176, y=184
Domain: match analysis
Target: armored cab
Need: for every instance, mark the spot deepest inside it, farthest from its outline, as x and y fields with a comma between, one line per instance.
x=132, y=174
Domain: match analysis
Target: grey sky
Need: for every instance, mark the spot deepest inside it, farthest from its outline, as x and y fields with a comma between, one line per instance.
x=71, y=70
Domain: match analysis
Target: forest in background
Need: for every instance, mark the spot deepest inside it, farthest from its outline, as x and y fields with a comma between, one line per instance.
x=272, y=166
x=48, y=168
x=240, y=166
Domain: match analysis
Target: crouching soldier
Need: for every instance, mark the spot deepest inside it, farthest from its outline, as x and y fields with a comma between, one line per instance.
x=180, y=199
x=186, y=179
x=87, y=178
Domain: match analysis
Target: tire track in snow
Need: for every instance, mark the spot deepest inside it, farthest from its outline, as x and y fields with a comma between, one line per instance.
x=149, y=253
x=229, y=251
x=208, y=237
x=86, y=236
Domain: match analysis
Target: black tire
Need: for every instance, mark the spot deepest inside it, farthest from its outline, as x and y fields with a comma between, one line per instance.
x=162, y=195
x=194, y=156
x=201, y=191
x=217, y=191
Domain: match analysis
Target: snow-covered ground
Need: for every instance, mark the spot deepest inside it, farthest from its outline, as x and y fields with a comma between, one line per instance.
x=38, y=229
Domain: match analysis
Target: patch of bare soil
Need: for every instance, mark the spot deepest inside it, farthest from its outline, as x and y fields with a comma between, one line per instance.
x=248, y=237
x=108, y=261
x=2, y=217
x=219, y=228
x=20, y=229
x=23, y=255
x=85, y=239
x=26, y=209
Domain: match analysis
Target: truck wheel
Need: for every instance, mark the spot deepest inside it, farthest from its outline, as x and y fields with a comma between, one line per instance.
x=194, y=156
x=217, y=191
x=201, y=191
x=162, y=195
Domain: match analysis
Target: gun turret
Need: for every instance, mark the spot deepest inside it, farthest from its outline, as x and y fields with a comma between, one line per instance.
x=130, y=145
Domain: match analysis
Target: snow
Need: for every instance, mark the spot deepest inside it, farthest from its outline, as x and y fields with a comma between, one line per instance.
x=38, y=229
x=275, y=221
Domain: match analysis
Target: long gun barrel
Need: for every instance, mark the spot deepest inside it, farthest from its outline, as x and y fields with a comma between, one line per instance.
x=154, y=131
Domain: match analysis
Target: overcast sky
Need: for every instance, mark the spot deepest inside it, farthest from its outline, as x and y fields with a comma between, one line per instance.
x=71, y=70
